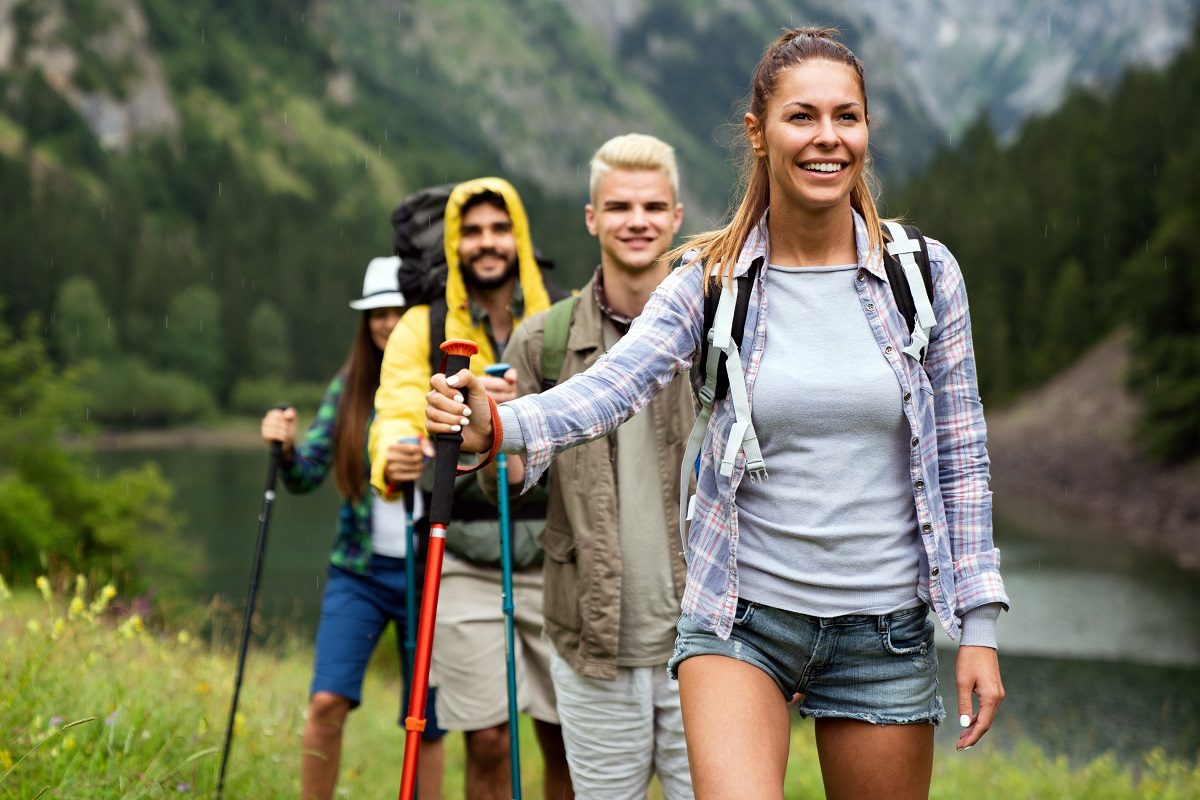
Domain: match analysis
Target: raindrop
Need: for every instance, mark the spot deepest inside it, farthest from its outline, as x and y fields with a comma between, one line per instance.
x=1046, y=232
x=202, y=36
x=166, y=321
x=218, y=188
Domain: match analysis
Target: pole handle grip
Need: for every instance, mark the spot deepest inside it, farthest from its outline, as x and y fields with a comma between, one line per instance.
x=445, y=464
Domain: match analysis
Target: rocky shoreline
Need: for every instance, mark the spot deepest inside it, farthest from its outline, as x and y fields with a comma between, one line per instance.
x=1068, y=448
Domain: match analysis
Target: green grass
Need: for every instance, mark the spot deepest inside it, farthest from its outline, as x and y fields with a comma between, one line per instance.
x=97, y=706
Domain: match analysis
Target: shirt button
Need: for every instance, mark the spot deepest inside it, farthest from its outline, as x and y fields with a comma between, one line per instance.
x=870, y=306
x=926, y=527
x=915, y=441
x=862, y=276
x=907, y=396
x=919, y=485
x=933, y=573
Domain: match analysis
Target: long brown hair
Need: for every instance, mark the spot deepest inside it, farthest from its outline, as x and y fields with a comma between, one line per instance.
x=360, y=379
x=719, y=248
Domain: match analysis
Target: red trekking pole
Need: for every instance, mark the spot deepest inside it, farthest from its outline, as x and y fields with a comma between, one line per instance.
x=445, y=469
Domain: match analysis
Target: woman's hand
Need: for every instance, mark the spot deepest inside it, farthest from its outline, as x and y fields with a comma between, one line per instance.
x=405, y=460
x=279, y=425
x=977, y=672
x=445, y=411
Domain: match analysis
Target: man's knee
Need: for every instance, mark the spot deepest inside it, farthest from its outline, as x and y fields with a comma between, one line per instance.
x=488, y=748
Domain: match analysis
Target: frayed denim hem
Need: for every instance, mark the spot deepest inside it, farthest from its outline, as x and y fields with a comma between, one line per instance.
x=934, y=717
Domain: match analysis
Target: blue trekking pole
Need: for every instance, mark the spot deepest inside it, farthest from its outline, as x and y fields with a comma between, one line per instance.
x=514, y=741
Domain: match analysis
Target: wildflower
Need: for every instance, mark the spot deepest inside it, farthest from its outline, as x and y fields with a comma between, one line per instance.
x=183, y=787
x=101, y=602
x=76, y=608
x=69, y=743
x=33, y=625
x=132, y=626
x=202, y=726
x=5, y=593
x=111, y=719
x=43, y=585
x=80, y=585
x=203, y=688
x=55, y=721
x=6, y=760
x=60, y=627
x=239, y=724
x=184, y=638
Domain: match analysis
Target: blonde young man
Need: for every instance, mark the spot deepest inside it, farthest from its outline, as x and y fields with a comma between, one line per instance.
x=493, y=283
x=614, y=571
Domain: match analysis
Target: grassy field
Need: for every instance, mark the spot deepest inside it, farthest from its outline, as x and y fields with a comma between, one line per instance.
x=94, y=705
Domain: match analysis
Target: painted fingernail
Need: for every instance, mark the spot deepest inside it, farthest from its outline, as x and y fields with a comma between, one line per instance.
x=965, y=720
x=458, y=398
x=452, y=381
x=464, y=421
x=466, y=411
x=455, y=428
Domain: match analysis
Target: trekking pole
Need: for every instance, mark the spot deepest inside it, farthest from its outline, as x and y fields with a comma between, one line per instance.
x=506, y=598
x=264, y=520
x=445, y=468
x=410, y=577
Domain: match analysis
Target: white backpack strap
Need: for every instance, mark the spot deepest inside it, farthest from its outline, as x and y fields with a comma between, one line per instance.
x=903, y=248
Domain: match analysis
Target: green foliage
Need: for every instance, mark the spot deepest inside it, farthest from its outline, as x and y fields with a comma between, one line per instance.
x=82, y=326
x=1086, y=222
x=254, y=396
x=269, y=357
x=125, y=393
x=55, y=511
x=190, y=339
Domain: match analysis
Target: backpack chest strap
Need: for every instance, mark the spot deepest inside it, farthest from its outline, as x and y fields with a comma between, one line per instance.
x=903, y=247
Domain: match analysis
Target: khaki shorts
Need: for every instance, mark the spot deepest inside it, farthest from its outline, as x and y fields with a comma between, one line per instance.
x=468, y=666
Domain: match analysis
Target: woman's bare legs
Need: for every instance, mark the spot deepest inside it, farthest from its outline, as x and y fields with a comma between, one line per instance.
x=859, y=759
x=737, y=729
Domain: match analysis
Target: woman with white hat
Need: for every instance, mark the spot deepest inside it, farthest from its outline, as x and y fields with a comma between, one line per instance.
x=366, y=575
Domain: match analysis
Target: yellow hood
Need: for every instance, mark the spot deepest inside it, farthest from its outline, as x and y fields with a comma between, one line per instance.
x=529, y=276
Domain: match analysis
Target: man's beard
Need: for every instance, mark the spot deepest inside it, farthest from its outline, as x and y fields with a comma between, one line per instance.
x=474, y=281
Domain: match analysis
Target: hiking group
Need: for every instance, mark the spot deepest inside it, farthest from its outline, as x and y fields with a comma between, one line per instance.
x=810, y=586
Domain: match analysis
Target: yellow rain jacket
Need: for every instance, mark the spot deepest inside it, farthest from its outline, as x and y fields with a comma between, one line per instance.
x=404, y=378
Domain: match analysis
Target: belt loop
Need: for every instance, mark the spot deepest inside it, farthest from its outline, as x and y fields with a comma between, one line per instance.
x=882, y=623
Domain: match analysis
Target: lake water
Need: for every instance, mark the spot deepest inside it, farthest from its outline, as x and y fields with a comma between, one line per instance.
x=1101, y=651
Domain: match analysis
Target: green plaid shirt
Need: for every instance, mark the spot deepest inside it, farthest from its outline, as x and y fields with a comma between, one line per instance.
x=310, y=464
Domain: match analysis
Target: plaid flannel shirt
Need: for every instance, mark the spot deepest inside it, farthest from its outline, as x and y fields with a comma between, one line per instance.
x=948, y=460
x=311, y=460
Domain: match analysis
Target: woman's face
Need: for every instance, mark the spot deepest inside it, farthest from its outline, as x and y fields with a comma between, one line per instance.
x=380, y=322
x=813, y=135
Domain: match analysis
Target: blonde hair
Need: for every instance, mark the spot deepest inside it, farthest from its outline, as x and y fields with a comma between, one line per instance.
x=633, y=151
x=719, y=249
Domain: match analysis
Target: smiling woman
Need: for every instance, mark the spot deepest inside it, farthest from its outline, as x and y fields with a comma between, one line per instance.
x=878, y=480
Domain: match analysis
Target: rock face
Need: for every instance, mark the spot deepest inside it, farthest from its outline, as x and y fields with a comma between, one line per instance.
x=1067, y=449
x=143, y=103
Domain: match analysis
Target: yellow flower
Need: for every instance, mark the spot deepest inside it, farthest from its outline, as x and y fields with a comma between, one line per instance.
x=33, y=625
x=202, y=726
x=77, y=607
x=101, y=602
x=80, y=585
x=69, y=743
x=203, y=688
x=239, y=724
x=184, y=637
x=60, y=627
x=6, y=761
x=132, y=626
x=43, y=585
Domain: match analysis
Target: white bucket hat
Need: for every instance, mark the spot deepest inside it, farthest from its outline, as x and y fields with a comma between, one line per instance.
x=381, y=289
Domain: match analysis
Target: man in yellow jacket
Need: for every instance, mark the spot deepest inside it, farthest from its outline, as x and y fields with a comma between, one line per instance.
x=492, y=283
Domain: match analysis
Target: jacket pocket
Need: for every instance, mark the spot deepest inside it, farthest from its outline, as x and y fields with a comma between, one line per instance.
x=560, y=600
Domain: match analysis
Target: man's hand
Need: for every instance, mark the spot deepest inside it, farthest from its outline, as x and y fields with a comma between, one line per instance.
x=977, y=672
x=446, y=412
x=405, y=460
x=502, y=389
x=279, y=425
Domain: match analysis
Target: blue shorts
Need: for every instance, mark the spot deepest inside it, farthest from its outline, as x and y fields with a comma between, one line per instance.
x=878, y=669
x=354, y=613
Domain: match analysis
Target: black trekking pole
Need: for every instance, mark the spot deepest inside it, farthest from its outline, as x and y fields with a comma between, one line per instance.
x=264, y=520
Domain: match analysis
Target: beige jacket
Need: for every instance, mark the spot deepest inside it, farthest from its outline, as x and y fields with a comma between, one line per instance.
x=581, y=602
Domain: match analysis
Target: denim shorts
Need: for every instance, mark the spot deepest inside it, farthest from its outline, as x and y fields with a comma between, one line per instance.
x=878, y=669
x=355, y=610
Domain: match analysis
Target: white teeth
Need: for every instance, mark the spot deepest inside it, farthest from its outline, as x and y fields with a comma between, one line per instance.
x=823, y=167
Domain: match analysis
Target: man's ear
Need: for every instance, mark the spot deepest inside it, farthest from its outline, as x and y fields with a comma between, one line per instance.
x=754, y=134
x=677, y=218
x=589, y=218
